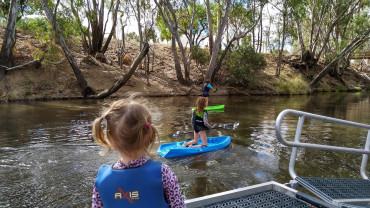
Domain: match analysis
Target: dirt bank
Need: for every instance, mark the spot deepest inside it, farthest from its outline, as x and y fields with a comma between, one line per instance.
x=55, y=79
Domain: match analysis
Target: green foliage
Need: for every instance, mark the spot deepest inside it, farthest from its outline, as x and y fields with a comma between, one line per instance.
x=184, y=15
x=201, y=56
x=11, y=94
x=291, y=86
x=340, y=88
x=42, y=28
x=151, y=34
x=132, y=36
x=241, y=62
x=357, y=88
x=165, y=33
x=52, y=53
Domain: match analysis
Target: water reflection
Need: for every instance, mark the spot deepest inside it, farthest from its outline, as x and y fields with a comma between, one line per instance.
x=48, y=156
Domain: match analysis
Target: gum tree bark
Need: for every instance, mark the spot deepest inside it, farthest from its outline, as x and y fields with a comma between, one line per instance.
x=210, y=27
x=6, y=55
x=217, y=43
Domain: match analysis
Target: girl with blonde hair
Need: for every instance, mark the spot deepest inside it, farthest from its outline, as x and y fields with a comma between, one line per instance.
x=135, y=180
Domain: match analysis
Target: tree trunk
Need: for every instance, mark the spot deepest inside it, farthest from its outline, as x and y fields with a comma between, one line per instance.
x=170, y=20
x=85, y=88
x=96, y=21
x=261, y=36
x=86, y=45
x=217, y=43
x=176, y=59
x=312, y=23
x=280, y=57
x=116, y=86
x=300, y=37
x=139, y=23
x=112, y=32
x=123, y=46
x=210, y=27
x=6, y=55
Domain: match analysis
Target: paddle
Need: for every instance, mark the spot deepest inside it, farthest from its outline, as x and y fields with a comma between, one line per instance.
x=217, y=126
x=215, y=90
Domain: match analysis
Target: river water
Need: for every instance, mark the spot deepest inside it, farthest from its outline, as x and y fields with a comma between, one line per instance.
x=49, y=159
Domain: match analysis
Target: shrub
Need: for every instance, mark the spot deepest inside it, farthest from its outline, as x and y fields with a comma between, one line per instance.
x=241, y=62
x=132, y=36
x=340, y=88
x=200, y=56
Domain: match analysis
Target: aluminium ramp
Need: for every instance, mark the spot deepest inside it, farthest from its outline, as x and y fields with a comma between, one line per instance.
x=270, y=194
x=339, y=190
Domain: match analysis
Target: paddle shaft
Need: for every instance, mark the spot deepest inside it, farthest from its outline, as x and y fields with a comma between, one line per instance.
x=234, y=125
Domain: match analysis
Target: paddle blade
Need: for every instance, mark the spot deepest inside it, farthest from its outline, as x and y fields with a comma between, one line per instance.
x=231, y=125
x=179, y=133
x=176, y=134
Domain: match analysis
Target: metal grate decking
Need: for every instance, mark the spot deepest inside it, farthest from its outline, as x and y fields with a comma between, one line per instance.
x=265, y=195
x=337, y=188
x=269, y=198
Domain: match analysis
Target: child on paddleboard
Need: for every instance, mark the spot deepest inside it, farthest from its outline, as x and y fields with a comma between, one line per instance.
x=135, y=180
x=199, y=121
x=205, y=90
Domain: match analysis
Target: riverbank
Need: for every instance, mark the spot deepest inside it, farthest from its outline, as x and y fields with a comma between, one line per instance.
x=54, y=79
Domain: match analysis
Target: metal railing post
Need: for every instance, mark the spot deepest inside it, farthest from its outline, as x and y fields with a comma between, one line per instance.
x=297, y=144
x=365, y=157
x=297, y=138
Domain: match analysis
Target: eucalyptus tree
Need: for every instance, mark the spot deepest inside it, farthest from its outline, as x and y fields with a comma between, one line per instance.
x=170, y=13
x=210, y=25
x=94, y=12
x=85, y=88
x=244, y=19
x=351, y=46
x=327, y=29
x=145, y=13
x=223, y=19
x=240, y=16
x=333, y=26
x=282, y=29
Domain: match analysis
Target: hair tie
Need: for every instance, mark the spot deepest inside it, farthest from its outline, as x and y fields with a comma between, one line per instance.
x=147, y=124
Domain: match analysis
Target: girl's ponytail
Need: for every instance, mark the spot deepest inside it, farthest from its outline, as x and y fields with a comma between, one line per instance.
x=98, y=134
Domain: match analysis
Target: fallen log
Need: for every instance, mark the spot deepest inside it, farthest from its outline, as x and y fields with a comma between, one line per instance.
x=36, y=63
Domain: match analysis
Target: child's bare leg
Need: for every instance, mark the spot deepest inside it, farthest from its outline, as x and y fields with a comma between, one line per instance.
x=203, y=137
x=195, y=141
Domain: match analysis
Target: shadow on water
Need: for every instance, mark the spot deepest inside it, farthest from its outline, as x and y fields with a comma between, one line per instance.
x=48, y=156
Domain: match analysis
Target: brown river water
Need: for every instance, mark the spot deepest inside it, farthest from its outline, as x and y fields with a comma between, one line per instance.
x=49, y=159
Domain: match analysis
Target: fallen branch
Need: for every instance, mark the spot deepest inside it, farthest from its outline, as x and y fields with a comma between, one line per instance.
x=36, y=62
x=123, y=79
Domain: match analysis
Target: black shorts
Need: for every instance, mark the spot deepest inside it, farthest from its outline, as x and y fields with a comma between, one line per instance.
x=205, y=94
x=197, y=129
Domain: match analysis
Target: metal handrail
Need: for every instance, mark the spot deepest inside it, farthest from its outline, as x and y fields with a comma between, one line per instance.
x=297, y=144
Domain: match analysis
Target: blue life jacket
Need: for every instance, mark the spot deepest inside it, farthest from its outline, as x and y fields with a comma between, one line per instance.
x=133, y=187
